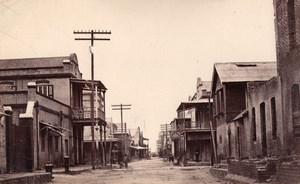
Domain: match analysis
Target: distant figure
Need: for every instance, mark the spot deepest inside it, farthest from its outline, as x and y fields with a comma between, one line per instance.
x=197, y=156
x=125, y=161
x=171, y=160
x=120, y=155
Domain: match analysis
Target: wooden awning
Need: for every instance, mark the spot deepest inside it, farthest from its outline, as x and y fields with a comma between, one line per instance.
x=53, y=130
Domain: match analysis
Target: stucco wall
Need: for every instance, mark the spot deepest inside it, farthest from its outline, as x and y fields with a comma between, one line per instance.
x=49, y=112
x=2, y=144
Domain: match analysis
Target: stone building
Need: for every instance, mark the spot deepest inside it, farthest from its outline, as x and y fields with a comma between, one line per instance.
x=273, y=110
x=45, y=95
x=230, y=95
x=254, y=135
x=256, y=132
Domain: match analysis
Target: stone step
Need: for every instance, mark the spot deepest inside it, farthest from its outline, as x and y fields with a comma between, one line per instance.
x=222, y=166
x=197, y=164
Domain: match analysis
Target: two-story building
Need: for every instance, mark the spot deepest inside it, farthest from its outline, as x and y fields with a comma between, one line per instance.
x=230, y=96
x=46, y=98
x=191, y=131
x=139, y=145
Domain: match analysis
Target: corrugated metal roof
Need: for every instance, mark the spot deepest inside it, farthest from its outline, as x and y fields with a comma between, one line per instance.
x=246, y=71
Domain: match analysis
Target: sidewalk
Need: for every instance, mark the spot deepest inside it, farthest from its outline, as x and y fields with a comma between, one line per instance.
x=73, y=170
x=28, y=177
x=40, y=176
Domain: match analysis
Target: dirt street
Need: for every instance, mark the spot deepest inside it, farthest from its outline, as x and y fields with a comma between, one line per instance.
x=142, y=172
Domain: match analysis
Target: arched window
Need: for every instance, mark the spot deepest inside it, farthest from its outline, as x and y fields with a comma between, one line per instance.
x=295, y=99
x=291, y=24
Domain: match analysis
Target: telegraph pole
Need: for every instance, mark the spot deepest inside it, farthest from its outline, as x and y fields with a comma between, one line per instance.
x=122, y=107
x=92, y=39
x=164, y=129
x=215, y=160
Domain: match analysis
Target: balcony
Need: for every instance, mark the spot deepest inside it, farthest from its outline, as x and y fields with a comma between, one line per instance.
x=85, y=113
x=194, y=125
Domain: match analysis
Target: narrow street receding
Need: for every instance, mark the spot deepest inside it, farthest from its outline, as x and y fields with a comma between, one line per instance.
x=154, y=170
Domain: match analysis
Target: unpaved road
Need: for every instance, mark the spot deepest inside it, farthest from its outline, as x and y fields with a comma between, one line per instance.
x=153, y=171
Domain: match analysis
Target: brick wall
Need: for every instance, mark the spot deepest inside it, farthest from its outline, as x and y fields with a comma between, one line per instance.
x=288, y=172
x=288, y=56
x=248, y=168
x=287, y=21
x=28, y=178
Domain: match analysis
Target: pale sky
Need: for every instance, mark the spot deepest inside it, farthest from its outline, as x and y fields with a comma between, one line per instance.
x=158, y=48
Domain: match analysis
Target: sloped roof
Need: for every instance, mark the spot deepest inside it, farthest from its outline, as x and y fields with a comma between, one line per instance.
x=88, y=82
x=45, y=62
x=242, y=72
x=193, y=103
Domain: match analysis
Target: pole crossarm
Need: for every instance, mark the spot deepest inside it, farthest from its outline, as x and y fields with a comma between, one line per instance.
x=122, y=107
x=94, y=31
x=104, y=39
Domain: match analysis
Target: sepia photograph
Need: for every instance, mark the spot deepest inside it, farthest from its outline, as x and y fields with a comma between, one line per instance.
x=149, y=91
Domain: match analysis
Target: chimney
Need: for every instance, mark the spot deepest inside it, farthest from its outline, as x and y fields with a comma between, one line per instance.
x=199, y=82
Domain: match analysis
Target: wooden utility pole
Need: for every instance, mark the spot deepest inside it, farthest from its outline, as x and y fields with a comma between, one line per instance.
x=164, y=128
x=212, y=133
x=122, y=107
x=92, y=39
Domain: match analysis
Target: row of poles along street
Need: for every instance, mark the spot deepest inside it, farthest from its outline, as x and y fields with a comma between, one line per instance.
x=120, y=107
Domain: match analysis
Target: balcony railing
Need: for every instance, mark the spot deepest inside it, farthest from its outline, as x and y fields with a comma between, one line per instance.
x=194, y=125
x=85, y=113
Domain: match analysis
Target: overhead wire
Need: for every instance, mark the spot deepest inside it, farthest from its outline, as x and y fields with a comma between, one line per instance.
x=7, y=34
